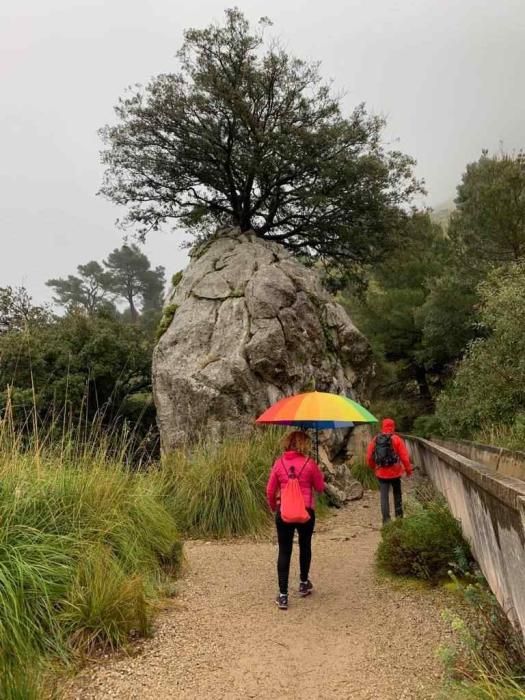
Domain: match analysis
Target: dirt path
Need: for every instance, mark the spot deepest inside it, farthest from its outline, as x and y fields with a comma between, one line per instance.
x=356, y=637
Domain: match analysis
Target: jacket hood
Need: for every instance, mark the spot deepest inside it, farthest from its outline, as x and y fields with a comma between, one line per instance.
x=388, y=426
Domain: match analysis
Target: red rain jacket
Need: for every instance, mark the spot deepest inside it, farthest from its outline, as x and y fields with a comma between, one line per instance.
x=400, y=449
x=311, y=477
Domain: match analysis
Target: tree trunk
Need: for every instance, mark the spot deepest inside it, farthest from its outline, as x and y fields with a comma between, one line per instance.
x=133, y=311
x=423, y=388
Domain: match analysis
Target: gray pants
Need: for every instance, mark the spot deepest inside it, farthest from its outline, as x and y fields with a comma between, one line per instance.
x=384, y=488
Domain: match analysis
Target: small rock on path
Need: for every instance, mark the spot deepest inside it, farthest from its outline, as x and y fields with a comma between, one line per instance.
x=357, y=637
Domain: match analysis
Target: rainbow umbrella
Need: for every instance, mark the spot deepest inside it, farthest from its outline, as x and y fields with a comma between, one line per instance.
x=317, y=410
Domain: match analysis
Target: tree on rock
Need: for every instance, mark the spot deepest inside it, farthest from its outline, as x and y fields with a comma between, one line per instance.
x=245, y=134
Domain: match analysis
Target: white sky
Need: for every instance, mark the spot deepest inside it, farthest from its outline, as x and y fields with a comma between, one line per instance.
x=447, y=74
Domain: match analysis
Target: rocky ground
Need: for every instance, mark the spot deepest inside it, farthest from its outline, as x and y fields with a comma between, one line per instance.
x=357, y=637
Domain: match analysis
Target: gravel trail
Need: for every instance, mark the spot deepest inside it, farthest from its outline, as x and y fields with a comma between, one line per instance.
x=356, y=637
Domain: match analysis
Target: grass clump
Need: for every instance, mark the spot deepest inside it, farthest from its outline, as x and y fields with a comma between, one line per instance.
x=425, y=544
x=487, y=658
x=218, y=489
x=176, y=278
x=366, y=477
x=167, y=317
x=84, y=543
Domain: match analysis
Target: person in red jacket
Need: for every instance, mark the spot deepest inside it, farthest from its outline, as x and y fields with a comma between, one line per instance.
x=388, y=456
x=294, y=459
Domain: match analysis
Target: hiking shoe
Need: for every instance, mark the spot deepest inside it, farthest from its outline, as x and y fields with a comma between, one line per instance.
x=305, y=588
x=282, y=601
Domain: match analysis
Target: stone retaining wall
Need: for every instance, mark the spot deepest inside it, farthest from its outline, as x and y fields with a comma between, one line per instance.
x=506, y=462
x=491, y=509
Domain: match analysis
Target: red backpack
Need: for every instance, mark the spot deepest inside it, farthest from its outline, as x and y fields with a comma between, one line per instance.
x=293, y=509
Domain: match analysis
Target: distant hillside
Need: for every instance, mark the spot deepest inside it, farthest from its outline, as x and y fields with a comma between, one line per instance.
x=441, y=214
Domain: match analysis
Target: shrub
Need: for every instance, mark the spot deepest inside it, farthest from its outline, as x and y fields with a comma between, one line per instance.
x=425, y=544
x=176, y=278
x=427, y=426
x=365, y=476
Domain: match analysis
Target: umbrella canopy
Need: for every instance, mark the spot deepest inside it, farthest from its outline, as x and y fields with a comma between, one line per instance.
x=317, y=409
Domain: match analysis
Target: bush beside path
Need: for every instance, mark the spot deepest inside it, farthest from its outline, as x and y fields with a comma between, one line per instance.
x=358, y=636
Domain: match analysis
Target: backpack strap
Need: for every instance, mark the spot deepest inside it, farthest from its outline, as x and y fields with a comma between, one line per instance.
x=281, y=461
x=301, y=470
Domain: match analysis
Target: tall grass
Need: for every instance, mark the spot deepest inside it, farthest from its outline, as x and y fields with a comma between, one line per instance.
x=511, y=437
x=218, y=489
x=366, y=477
x=486, y=660
x=84, y=543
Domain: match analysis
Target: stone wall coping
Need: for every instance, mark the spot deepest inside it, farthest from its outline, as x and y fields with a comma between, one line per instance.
x=507, y=489
x=518, y=454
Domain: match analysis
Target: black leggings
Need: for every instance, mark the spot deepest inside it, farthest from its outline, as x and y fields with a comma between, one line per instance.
x=285, y=533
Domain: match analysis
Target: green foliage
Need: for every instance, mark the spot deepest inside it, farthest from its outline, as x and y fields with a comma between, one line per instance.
x=176, y=278
x=487, y=656
x=427, y=426
x=504, y=688
x=89, y=290
x=84, y=543
x=511, y=437
x=76, y=365
x=421, y=309
x=425, y=544
x=488, y=226
x=17, y=310
x=448, y=319
x=246, y=134
x=365, y=476
x=400, y=312
x=218, y=488
x=167, y=317
x=125, y=275
x=131, y=278
x=488, y=386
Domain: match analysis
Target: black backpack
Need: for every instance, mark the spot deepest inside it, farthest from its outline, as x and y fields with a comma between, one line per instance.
x=384, y=453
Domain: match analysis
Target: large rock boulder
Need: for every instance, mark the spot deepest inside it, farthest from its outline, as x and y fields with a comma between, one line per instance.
x=246, y=325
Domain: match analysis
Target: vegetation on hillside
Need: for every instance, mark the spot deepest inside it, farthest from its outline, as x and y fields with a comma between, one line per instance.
x=444, y=312
x=488, y=387
x=93, y=361
x=126, y=276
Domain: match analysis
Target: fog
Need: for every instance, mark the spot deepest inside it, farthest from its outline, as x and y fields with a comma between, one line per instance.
x=447, y=75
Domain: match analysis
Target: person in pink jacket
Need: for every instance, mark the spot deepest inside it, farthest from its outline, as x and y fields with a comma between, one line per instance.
x=295, y=458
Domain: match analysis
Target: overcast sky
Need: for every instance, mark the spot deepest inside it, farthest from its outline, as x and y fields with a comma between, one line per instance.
x=447, y=74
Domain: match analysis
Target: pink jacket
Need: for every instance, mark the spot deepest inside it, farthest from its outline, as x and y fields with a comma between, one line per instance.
x=310, y=478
